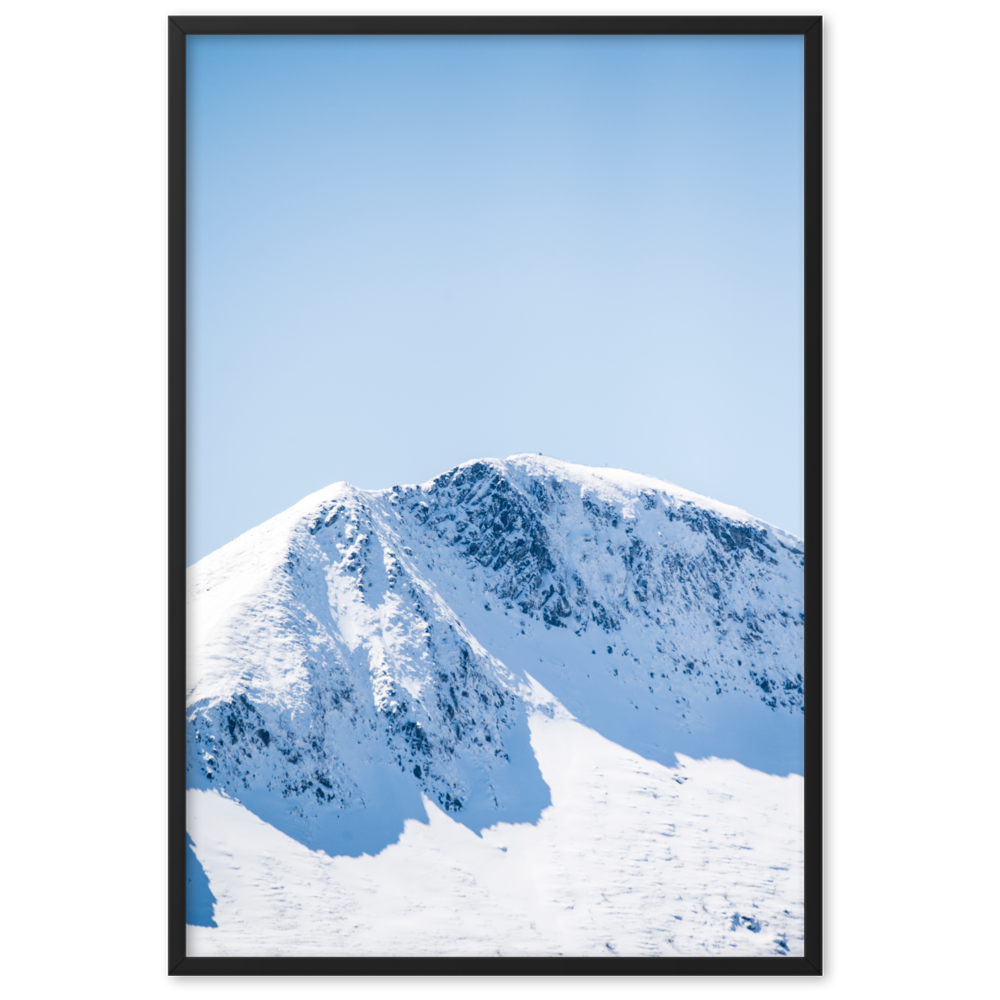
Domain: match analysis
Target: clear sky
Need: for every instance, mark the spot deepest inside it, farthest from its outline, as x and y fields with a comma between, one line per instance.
x=405, y=253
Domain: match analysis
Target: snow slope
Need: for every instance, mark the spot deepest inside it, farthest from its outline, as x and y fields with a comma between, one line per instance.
x=367, y=659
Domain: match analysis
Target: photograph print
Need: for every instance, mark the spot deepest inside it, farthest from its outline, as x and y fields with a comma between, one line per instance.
x=494, y=441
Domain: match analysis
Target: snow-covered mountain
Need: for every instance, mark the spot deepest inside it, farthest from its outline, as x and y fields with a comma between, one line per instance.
x=365, y=653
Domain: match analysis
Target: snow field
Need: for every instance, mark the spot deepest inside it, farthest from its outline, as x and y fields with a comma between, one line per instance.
x=631, y=858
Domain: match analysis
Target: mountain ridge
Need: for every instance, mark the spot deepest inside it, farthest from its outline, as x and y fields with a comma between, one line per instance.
x=405, y=622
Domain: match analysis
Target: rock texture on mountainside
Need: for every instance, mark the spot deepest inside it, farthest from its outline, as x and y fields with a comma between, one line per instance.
x=365, y=648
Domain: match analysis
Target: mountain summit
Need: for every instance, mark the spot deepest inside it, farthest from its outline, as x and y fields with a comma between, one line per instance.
x=365, y=649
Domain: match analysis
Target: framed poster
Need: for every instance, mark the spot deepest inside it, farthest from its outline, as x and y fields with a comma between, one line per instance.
x=557, y=712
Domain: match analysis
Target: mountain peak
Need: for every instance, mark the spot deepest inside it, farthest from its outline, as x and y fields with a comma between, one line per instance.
x=366, y=648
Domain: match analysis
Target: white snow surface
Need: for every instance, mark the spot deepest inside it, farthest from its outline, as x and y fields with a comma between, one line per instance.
x=596, y=670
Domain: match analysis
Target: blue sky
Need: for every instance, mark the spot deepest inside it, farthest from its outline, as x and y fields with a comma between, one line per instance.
x=405, y=253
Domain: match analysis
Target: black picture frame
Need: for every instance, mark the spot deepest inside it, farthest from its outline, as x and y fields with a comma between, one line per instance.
x=810, y=28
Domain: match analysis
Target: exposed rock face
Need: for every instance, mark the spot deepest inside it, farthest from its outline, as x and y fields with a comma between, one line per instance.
x=363, y=647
